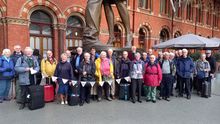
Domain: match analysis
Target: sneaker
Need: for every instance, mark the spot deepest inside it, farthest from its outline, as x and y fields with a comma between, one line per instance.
x=1, y=101
x=66, y=102
x=109, y=99
x=99, y=99
x=62, y=103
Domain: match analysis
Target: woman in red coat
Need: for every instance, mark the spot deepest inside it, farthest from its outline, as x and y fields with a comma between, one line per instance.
x=152, y=78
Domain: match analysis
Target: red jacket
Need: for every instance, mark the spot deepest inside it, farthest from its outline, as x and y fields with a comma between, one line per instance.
x=152, y=75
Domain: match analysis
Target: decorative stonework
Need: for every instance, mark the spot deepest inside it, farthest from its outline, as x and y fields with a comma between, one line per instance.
x=30, y=4
x=16, y=21
x=74, y=9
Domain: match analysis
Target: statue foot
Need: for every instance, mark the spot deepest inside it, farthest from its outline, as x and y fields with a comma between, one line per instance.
x=111, y=40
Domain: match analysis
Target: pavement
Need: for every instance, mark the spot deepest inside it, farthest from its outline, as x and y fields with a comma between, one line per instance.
x=198, y=110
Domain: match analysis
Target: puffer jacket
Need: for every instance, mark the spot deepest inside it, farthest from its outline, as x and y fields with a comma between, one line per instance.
x=185, y=67
x=152, y=74
x=20, y=67
x=48, y=68
x=6, y=68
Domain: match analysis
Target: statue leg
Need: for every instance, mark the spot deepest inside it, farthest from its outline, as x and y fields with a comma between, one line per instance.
x=110, y=21
x=122, y=9
x=92, y=18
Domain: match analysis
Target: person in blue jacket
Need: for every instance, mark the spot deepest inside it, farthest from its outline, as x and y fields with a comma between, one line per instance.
x=24, y=66
x=185, y=67
x=6, y=74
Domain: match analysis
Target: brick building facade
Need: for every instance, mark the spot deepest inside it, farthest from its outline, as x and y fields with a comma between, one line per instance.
x=58, y=24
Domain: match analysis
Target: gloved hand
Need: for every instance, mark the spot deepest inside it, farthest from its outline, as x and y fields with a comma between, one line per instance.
x=8, y=69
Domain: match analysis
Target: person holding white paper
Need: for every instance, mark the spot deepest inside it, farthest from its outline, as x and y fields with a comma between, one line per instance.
x=23, y=67
x=63, y=71
x=104, y=72
x=87, y=74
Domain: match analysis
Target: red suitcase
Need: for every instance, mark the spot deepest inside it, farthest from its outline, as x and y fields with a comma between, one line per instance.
x=48, y=93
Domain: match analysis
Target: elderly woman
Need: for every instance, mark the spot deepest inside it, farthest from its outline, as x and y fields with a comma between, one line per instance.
x=63, y=70
x=23, y=67
x=48, y=67
x=202, y=71
x=6, y=74
x=104, y=73
x=87, y=73
x=152, y=78
x=136, y=74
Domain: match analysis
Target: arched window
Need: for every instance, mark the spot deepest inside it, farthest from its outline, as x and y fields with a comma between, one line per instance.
x=118, y=35
x=41, y=36
x=164, y=35
x=189, y=11
x=74, y=32
x=145, y=4
x=199, y=11
x=143, y=37
x=209, y=14
x=164, y=7
x=177, y=34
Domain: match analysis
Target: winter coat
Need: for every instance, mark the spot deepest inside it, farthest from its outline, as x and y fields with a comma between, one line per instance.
x=212, y=63
x=202, y=66
x=185, y=67
x=124, y=68
x=6, y=68
x=20, y=67
x=48, y=68
x=64, y=70
x=137, y=69
x=152, y=74
x=89, y=68
x=98, y=70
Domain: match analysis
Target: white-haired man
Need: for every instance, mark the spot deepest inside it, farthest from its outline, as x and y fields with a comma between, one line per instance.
x=23, y=67
x=168, y=69
x=185, y=67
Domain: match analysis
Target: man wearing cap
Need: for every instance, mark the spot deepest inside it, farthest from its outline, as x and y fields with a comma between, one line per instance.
x=212, y=63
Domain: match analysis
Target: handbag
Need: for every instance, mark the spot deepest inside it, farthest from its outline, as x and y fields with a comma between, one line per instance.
x=201, y=74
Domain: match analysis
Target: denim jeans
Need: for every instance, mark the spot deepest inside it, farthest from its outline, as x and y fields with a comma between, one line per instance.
x=5, y=86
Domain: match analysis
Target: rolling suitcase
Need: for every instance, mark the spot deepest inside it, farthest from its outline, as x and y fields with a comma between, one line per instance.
x=35, y=97
x=48, y=92
x=73, y=97
x=206, y=89
x=124, y=92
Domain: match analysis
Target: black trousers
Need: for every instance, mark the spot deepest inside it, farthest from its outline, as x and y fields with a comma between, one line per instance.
x=200, y=82
x=106, y=88
x=24, y=93
x=85, y=92
x=166, y=85
x=187, y=83
x=136, y=85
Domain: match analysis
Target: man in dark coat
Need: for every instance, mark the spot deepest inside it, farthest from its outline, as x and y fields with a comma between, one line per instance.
x=15, y=56
x=212, y=63
x=77, y=59
x=185, y=67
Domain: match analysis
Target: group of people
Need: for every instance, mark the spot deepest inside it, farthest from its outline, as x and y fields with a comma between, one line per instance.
x=155, y=75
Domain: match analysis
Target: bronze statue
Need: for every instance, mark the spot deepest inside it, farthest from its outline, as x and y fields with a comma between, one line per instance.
x=93, y=18
x=123, y=12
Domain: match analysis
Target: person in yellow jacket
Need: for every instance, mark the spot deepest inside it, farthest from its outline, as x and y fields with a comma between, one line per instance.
x=48, y=66
x=104, y=74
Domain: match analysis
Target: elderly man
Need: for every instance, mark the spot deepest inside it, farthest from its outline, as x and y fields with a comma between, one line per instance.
x=185, y=67
x=168, y=69
x=23, y=67
x=77, y=59
x=114, y=61
x=15, y=56
x=87, y=73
